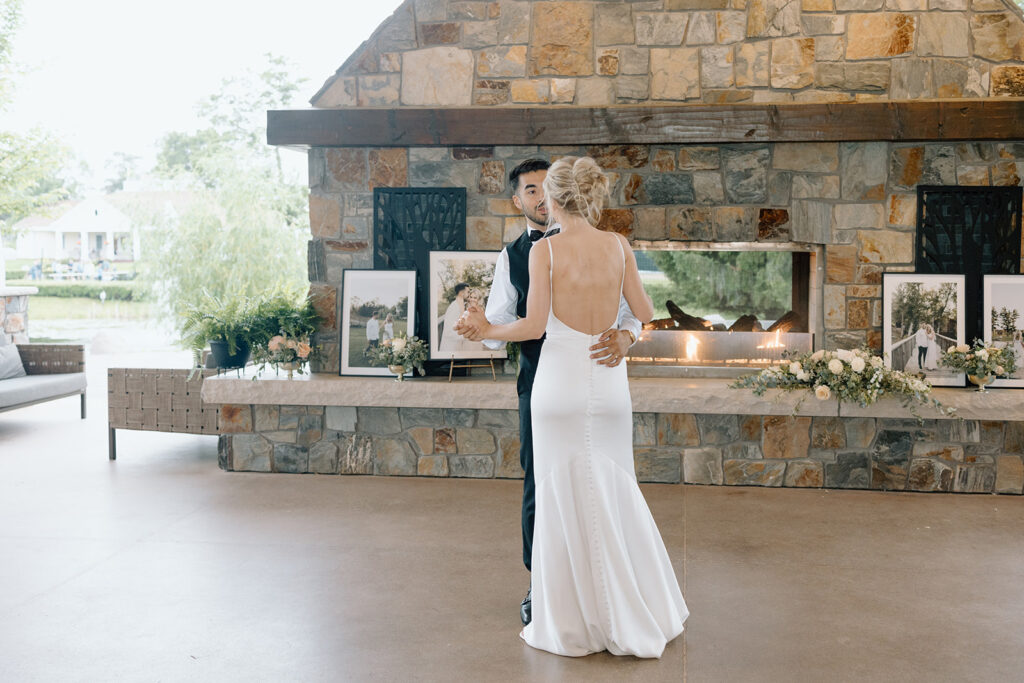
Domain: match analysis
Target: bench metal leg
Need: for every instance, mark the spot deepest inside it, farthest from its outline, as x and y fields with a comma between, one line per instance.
x=83, y=405
x=112, y=444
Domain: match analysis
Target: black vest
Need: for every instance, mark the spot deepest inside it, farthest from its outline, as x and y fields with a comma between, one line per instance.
x=519, y=274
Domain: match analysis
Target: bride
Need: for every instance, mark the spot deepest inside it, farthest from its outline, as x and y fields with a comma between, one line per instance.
x=931, y=359
x=601, y=576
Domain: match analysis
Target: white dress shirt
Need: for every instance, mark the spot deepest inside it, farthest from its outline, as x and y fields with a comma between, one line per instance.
x=501, y=303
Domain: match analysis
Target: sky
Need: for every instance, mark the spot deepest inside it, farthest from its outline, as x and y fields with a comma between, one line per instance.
x=110, y=76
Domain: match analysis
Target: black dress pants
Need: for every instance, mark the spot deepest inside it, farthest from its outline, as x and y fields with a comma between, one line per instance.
x=529, y=488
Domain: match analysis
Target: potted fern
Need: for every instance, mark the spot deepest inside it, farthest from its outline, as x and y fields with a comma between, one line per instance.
x=227, y=325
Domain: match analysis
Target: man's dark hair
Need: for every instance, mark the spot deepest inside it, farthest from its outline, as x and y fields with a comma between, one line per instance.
x=528, y=166
x=375, y=314
x=459, y=287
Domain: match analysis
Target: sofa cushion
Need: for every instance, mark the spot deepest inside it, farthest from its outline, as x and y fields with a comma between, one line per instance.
x=20, y=390
x=10, y=362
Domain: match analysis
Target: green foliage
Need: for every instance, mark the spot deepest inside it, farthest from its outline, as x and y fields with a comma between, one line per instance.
x=280, y=314
x=914, y=305
x=244, y=234
x=727, y=283
x=122, y=167
x=980, y=359
x=243, y=321
x=31, y=164
x=1006, y=319
x=856, y=376
x=118, y=290
x=409, y=352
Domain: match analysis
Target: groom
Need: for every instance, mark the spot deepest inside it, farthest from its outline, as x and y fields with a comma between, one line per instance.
x=507, y=303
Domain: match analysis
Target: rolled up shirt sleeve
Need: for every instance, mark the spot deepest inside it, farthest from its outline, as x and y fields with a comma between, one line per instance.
x=626, y=321
x=501, y=302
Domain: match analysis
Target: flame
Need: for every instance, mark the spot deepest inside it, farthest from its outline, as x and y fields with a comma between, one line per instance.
x=691, y=347
x=776, y=344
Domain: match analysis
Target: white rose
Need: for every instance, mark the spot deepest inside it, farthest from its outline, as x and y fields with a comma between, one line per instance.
x=876, y=362
x=398, y=345
x=857, y=364
x=795, y=368
x=835, y=366
x=818, y=355
x=963, y=348
x=1000, y=370
x=983, y=354
x=822, y=392
x=844, y=355
x=803, y=376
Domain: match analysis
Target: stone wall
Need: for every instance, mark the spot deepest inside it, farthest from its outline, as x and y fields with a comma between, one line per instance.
x=14, y=318
x=968, y=456
x=857, y=199
x=596, y=53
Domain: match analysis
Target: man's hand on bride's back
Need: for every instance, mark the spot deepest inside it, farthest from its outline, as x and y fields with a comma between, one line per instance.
x=472, y=325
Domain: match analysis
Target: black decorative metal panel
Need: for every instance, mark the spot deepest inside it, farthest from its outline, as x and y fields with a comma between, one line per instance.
x=970, y=230
x=409, y=223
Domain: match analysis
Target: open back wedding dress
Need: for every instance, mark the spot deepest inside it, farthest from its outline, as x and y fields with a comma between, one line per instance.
x=601, y=576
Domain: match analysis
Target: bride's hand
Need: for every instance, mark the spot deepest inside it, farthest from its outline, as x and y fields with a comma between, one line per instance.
x=473, y=324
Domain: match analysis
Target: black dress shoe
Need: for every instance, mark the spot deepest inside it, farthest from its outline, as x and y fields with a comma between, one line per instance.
x=526, y=608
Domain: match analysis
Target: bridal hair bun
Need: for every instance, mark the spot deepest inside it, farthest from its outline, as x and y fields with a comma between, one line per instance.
x=578, y=185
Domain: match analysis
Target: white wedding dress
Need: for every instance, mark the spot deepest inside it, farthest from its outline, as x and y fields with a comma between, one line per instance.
x=601, y=576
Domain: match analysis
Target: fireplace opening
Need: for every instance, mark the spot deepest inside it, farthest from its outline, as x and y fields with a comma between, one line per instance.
x=723, y=308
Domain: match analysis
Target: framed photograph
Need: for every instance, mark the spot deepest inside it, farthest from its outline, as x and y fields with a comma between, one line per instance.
x=922, y=316
x=458, y=279
x=376, y=305
x=1003, y=316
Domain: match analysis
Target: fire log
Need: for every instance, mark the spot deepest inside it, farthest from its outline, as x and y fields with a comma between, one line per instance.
x=791, y=322
x=685, y=321
x=746, y=323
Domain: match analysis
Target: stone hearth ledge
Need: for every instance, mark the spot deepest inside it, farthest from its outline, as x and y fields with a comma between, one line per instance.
x=7, y=290
x=650, y=395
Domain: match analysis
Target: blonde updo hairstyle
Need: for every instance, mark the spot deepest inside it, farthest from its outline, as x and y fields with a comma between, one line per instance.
x=577, y=185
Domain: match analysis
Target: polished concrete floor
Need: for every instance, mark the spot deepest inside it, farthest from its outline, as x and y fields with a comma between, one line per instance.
x=160, y=567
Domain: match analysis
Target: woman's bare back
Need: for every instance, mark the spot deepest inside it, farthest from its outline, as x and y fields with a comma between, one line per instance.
x=587, y=270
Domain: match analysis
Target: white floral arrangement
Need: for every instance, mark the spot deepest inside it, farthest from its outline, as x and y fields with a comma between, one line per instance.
x=409, y=352
x=980, y=360
x=855, y=375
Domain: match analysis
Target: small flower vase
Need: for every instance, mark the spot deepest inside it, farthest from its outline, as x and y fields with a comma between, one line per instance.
x=981, y=381
x=290, y=366
x=398, y=370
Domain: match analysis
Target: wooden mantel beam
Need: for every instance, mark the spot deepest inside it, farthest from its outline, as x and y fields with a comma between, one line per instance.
x=989, y=119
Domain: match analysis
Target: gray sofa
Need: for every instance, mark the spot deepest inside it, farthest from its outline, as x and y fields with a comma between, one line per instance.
x=53, y=371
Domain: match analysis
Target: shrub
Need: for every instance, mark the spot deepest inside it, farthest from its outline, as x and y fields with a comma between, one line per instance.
x=117, y=290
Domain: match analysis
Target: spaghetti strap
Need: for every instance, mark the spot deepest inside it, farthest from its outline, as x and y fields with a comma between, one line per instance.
x=622, y=280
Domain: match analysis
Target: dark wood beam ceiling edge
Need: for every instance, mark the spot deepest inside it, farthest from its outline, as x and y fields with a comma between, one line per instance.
x=912, y=121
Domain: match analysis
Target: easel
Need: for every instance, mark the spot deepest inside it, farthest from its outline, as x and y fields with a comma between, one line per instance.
x=490, y=363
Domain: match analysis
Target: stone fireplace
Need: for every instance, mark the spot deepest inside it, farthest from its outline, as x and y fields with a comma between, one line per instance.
x=773, y=124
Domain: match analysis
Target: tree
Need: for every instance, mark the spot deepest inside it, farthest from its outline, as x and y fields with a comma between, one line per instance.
x=244, y=233
x=727, y=283
x=123, y=166
x=32, y=165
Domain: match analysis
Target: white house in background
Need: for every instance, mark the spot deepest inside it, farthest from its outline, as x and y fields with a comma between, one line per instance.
x=108, y=226
x=89, y=229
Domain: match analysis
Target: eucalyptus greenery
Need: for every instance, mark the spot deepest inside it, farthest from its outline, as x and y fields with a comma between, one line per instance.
x=855, y=375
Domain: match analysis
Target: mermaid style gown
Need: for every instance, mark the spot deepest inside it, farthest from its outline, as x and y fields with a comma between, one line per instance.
x=601, y=576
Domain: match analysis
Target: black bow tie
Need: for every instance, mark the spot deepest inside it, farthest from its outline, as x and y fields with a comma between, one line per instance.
x=537, y=234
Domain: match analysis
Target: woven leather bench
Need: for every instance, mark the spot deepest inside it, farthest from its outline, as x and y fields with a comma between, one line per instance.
x=158, y=400
x=53, y=371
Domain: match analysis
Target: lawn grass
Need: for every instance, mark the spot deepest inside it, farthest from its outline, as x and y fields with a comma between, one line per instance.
x=61, y=308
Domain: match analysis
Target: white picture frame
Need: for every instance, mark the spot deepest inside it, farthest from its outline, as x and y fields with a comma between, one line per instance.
x=1004, y=292
x=471, y=273
x=363, y=293
x=918, y=326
